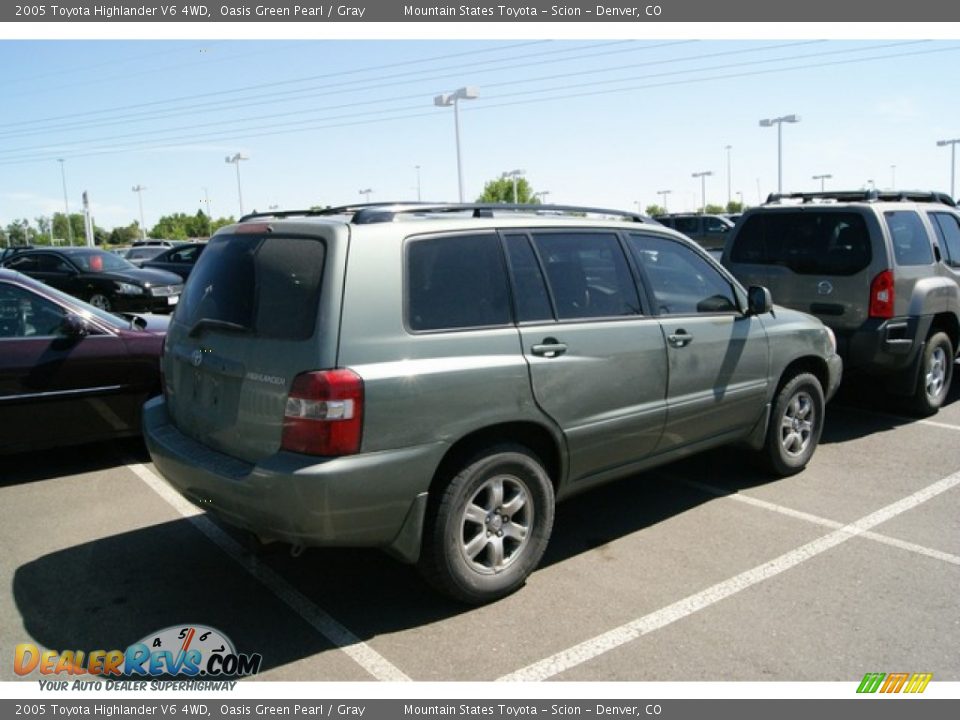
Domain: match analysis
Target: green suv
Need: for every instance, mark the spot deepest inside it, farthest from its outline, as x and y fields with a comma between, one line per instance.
x=431, y=379
x=882, y=269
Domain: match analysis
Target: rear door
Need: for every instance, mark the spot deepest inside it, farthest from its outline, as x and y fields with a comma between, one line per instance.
x=597, y=362
x=718, y=357
x=818, y=260
x=254, y=313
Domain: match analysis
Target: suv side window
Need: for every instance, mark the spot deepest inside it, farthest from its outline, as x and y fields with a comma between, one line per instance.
x=529, y=290
x=715, y=225
x=947, y=227
x=687, y=225
x=588, y=274
x=911, y=246
x=456, y=282
x=682, y=281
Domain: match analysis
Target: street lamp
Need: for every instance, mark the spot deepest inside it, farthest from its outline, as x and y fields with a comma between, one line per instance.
x=66, y=204
x=417, y=167
x=953, y=160
x=664, y=193
x=542, y=194
x=769, y=122
x=821, y=178
x=366, y=194
x=235, y=159
x=446, y=100
x=515, y=174
x=138, y=189
x=893, y=177
x=703, y=188
x=727, y=148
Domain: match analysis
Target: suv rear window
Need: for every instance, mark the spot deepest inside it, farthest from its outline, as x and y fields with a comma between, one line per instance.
x=806, y=242
x=269, y=286
x=911, y=246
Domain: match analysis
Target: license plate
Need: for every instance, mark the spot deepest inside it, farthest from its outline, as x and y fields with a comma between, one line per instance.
x=173, y=299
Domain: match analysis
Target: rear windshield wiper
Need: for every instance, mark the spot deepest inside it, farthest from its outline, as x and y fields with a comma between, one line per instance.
x=218, y=324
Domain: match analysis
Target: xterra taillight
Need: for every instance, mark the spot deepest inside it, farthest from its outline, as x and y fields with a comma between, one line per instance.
x=324, y=413
x=881, y=295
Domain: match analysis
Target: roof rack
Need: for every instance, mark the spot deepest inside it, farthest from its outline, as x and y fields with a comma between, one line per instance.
x=368, y=213
x=866, y=196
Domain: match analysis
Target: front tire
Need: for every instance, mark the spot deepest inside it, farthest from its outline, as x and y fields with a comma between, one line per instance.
x=796, y=422
x=936, y=372
x=489, y=526
x=99, y=300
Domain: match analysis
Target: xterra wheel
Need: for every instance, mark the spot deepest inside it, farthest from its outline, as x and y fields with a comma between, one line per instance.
x=101, y=301
x=489, y=526
x=796, y=422
x=936, y=372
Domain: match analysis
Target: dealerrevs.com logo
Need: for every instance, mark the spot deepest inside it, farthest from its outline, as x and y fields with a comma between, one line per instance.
x=895, y=682
x=182, y=650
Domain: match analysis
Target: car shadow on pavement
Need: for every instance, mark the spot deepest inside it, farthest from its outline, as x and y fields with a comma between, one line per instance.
x=38, y=465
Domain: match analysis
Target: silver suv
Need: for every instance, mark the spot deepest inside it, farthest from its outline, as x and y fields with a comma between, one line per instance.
x=431, y=379
x=880, y=268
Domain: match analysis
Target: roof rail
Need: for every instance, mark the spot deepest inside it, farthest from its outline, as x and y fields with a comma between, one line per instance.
x=388, y=213
x=866, y=196
x=315, y=212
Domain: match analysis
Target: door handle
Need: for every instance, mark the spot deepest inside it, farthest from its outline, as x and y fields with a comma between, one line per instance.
x=679, y=339
x=550, y=347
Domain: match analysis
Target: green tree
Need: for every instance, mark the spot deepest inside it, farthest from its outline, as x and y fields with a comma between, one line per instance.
x=712, y=209
x=61, y=232
x=734, y=207
x=124, y=235
x=220, y=222
x=19, y=232
x=653, y=210
x=501, y=191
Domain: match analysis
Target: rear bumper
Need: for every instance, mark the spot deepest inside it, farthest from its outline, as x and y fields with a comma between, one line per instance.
x=883, y=346
x=366, y=500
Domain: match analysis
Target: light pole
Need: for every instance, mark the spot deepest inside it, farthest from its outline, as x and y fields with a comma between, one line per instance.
x=893, y=177
x=953, y=160
x=138, y=189
x=366, y=194
x=740, y=195
x=663, y=194
x=66, y=204
x=821, y=178
x=515, y=175
x=779, y=121
x=542, y=194
x=417, y=167
x=446, y=100
x=728, y=148
x=703, y=188
x=235, y=159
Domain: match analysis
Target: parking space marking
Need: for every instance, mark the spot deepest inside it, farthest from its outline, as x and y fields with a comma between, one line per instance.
x=816, y=519
x=361, y=653
x=596, y=646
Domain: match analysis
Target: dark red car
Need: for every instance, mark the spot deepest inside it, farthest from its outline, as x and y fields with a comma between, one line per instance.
x=69, y=372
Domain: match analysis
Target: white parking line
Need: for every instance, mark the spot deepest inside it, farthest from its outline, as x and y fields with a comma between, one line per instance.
x=361, y=653
x=578, y=654
x=816, y=519
x=901, y=418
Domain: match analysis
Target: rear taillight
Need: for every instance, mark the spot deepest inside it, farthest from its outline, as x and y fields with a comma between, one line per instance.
x=881, y=295
x=324, y=413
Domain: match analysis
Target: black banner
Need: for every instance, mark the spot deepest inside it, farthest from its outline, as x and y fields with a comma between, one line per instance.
x=509, y=11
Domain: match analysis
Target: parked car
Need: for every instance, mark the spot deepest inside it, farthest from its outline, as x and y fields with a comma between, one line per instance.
x=69, y=372
x=710, y=231
x=880, y=268
x=101, y=278
x=430, y=380
x=139, y=254
x=179, y=260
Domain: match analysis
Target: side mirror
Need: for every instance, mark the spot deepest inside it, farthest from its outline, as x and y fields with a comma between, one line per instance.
x=759, y=300
x=74, y=326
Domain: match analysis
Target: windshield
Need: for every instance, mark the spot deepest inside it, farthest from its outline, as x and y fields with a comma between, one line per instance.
x=100, y=261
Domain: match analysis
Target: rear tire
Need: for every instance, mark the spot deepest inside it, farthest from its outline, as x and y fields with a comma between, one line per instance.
x=936, y=372
x=489, y=527
x=796, y=422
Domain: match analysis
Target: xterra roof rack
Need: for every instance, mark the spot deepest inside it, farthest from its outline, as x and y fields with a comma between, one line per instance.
x=367, y=213
x=866, y=196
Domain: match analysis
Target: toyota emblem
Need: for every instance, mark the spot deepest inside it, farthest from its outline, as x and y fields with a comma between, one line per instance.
x=196, y=357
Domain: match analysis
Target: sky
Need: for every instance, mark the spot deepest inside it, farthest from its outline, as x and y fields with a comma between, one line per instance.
x=598, y=122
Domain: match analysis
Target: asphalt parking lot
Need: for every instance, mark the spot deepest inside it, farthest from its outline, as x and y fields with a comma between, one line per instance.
x=702, y=570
